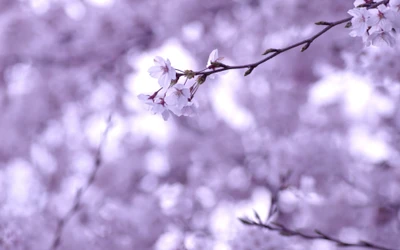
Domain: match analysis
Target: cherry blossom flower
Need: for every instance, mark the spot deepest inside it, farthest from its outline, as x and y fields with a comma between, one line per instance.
x=178, y=100
x=380, y=19
x=178, y=95
x=175, y=100
x=189, y=109
x=163, y=71
x=395, y=18
x=147, y=99
x=375, y=26
x=157, y=105
x=359, y=21
x=395, y=4
x=381, y=38
x=213, y=58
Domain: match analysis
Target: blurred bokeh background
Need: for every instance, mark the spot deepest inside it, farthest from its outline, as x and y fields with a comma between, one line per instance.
x=329, y=116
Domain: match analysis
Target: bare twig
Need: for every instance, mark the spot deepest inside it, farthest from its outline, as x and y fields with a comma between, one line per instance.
x=284, y=231
x=78, y=196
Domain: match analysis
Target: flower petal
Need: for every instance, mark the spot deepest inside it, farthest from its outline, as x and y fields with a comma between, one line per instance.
x=212, y=57
x=164, y=80
x=155, y=71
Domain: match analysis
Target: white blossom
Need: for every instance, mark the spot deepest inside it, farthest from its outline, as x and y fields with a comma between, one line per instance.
x=395, y=18
x=376, y=25
x=163, y=71
x=381, y=38
x=157, y=105
x=189, y=110
x=213, y=57
x=380, y=19
x=178, y=100
x=395, y=4
x=178, y=95
x=359, y=21
x=175, y=100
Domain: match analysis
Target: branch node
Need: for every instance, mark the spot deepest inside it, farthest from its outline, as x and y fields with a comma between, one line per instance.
x=201, y=79
x=305, y=46
x=189, y=74
x=257, y=216
x=270, y=51
x=246, y=221
x=218, y=65
x=248, y=72
x=323, y=23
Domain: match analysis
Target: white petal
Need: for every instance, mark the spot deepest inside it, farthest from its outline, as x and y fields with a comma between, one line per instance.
x=145, y=98
x=212, y=57
x=155, y=71
x=165, y=115
x=172, y=73
x=159, y=61
x=164, y=80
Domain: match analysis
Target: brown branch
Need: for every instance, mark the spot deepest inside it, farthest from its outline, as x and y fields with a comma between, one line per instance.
x=79, y=194
x=219, y=67
x=272, y=52
x=284, y=231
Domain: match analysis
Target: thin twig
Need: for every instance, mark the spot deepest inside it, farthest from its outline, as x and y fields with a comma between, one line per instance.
x=284, y=231
x=272, y=52
x=79, y=194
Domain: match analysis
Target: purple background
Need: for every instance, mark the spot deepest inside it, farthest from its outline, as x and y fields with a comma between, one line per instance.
x=329, y=116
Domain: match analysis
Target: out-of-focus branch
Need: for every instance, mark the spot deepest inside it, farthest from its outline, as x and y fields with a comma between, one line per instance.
x=79, y=194
x=273, y=52
x=285, y=231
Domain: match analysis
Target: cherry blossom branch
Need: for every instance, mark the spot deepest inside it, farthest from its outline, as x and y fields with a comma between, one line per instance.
x=176, y=98
x=374, y=5
x=285, y=231
x=217, y=67
x=79, y=194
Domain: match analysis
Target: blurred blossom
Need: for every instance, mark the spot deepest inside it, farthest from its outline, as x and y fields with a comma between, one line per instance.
x=157, y=163
x=170, y=240
x=288, y=201
x=349, y=234
x=329, y=116
x=238, y=179
x=169, y=195
x=206, y=197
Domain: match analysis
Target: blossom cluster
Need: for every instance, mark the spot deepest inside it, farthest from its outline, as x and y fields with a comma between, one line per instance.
x=174, y=97
x=376, y=22
x=376, y=26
